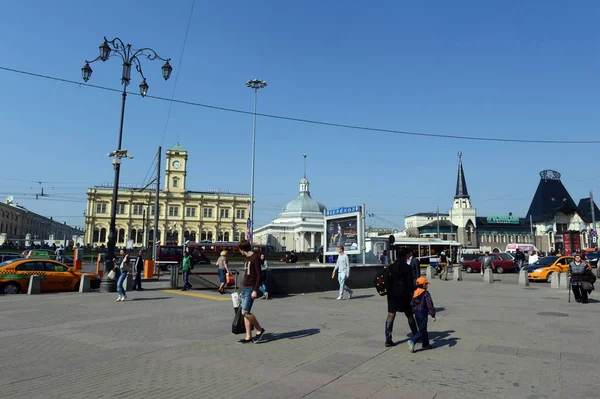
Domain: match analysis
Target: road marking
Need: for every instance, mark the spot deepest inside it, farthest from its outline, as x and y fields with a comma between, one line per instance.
x=198, y=295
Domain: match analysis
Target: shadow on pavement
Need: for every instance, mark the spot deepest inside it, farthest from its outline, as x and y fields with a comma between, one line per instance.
x=440, y=309
x=294, y=334
x=151, y=299
x=442, y=338
x=362, y=296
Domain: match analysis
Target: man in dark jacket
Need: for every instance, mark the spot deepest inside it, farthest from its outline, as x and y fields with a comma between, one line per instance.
x=520, y=258
x=415, y=266
x=138, y=266
x=401, y=287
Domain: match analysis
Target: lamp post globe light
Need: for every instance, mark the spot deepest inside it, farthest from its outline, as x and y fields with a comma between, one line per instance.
x=130, y=57
x=253, y=84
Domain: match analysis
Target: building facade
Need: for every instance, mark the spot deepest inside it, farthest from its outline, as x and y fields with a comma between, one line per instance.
x=18, y=225
x=183, y=214
x=299, y=226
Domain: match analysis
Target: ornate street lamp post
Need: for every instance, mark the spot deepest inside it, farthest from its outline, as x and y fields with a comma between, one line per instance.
x=130, y=57
x=253, y=84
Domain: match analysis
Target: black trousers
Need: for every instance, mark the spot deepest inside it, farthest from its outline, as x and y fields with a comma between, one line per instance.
x=580, y=293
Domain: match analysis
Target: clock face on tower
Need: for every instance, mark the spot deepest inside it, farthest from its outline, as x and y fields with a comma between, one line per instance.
x=176, y=164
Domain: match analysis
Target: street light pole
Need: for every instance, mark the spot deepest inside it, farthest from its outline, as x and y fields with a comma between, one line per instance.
x=129, y=56
x=253, y=84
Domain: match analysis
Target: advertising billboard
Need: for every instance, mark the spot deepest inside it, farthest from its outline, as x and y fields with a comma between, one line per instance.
x=343, y=229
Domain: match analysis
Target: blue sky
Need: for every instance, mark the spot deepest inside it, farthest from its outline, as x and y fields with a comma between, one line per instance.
x=525, y=70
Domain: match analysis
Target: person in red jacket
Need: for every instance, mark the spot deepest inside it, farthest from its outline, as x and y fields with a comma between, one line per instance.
x=250, y=290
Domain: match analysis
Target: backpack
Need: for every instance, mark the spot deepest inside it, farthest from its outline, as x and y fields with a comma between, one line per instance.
x=382, y=281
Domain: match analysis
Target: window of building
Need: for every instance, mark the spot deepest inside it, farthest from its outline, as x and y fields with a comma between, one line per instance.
x=121, y=236
x=138, y=209
x=173, y=211
x=152, y=210
x=236, y=236
x=175, y=182
x=240, y=214
x=209, y=236
x=140, y=237
x=226, y=236
x=208, y=212
x=100, y=208
x=224, y=213
x=242, y=236
x=121, y=208
x=190, y=212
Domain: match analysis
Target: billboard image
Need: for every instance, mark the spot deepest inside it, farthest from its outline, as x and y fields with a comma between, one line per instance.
x=343, y=231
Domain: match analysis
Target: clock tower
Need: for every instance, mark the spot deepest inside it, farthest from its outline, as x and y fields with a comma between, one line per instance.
x=176, y=169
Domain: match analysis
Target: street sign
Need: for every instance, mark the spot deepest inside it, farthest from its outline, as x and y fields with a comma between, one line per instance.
x=594, y=233
x=594, y=239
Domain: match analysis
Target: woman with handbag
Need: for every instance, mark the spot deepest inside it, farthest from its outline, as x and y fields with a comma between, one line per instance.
x=222, y=270
x=122, y=269
x=577, y=271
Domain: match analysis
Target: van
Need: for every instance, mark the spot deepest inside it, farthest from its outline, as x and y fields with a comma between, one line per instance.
x=527, y=249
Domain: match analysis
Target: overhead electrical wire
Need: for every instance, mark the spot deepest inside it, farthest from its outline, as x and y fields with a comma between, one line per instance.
x=316, y=122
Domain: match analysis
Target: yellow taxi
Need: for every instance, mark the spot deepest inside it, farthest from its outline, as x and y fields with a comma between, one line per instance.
x=54, y=276
x=544, y=269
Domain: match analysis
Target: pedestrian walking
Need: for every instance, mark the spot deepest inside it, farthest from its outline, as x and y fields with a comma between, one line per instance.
x=138, y=267
x=264, y=275
x=422, y=306
x=186, y=265
x=123, y=268
x=250, y=291
x=415, y=266
x=533, y=257
x=444, y=265
x=343, y=268
x=487, y=263
x=222, y=270
x=60, y=252
x=520, y=258
x=399, y=295
x=577, y=272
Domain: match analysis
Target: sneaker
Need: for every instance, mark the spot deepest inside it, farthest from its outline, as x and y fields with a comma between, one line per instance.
x=350, y=294
x=339, y=298
x=260, y=337
x=389, y=344
x=266, y=295
x=118, y=298
x=123, y=298
x=245, y=341
x=411, y=346
x=428, y=347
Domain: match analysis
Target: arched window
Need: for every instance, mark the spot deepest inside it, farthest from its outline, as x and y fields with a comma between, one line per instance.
x=236, y=236
x=203, y=236
x=102, y=235
x=242, y=236
x=192, y=236
x=96, y=235
x=140, y=237
x=121, y=236
x=175, y=182
x=220, y=236
x=209, y=236
x=226, y=236
x=132, y=235
x=186, y=235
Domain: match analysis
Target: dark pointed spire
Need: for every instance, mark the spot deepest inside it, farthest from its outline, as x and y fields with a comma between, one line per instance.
x=461, y=182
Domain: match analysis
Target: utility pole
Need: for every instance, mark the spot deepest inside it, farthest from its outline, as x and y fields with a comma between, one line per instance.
x=438, y=222
x=531, y=227
x=363, y=243
x=156, y=207
x=594, y=244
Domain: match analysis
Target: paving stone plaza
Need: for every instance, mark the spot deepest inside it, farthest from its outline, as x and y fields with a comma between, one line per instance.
x=492, y=341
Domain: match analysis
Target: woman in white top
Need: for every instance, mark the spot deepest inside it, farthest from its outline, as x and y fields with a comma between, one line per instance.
x=223, y=270
x=533, y=257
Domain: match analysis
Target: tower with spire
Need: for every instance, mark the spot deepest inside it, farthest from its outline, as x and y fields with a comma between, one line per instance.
x=463, y=214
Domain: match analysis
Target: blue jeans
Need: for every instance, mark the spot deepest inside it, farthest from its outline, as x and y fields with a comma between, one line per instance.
x=120, y=282
x=520, y=263
x=222, y=275
x=422, y=334
x=247, y=300
x=343, y=286
x=186, y=279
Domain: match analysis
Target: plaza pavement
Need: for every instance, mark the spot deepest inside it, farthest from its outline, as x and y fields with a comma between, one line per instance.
x=492, y=341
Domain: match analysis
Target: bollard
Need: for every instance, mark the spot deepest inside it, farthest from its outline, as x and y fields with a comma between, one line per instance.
x=84, y=283
x=34, y=284
x=563, y=282
x=554, y=280
x=430, y=273
x=174, y=277
x=128, y=283
x=148, y=269
x=523, y=278
x=457, y=273
x=488, y=277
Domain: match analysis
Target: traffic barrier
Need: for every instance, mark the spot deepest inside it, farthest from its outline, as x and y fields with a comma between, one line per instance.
x=488, y=276
x=84, y=283
x=430, y=273
x=174, y=277
x=77, y=259
x=457, y=273
x=555, y=280
x=523, y=278
x=148, y=269
x=34, y=284
x=563, y=282
x=100, y=265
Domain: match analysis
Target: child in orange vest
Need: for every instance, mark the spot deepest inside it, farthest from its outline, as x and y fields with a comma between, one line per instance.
x=422, y=306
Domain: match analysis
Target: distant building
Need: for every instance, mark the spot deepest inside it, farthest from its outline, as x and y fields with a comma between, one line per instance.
x=299, y=226
x=183, y=214
x=20, y=226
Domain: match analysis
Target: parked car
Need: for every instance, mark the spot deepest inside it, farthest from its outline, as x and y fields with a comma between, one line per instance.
x=501, y=262
x=55, y=276
x=9, y=256
x=592, y=257
x=544, y=269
